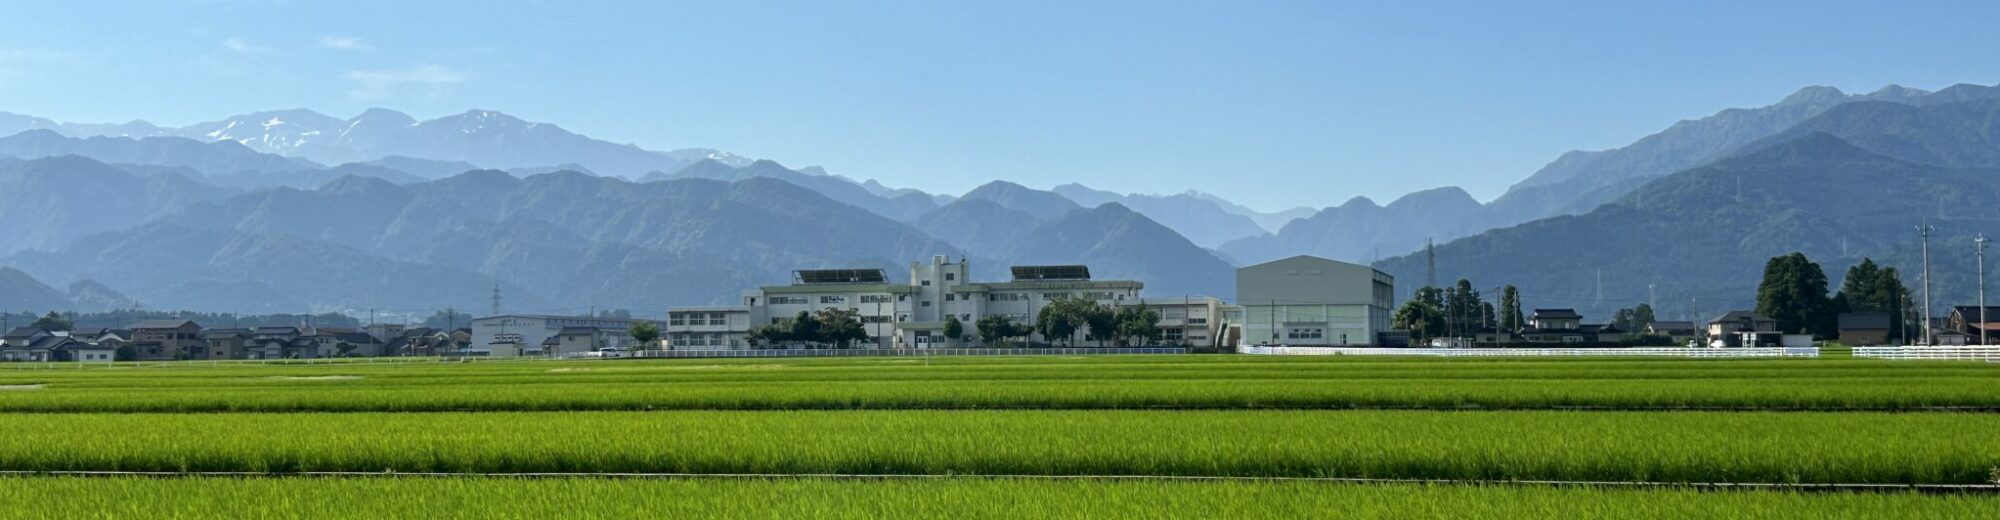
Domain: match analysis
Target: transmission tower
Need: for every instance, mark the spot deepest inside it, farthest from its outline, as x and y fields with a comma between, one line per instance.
x=1431, y=265
x=496, y=299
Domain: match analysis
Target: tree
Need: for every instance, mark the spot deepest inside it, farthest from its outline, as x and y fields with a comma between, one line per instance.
x=1793, y=293
x=802, y=329
x=1642, y=317
x=645, y=334
x=1511, y=319
x=448, y=319
x=1872, y=288
x=838, y=327
x=967, y=335
x=342, y=349
x=1461, y=304
x=997, y=329
x=1101, y=321
x=953, y=329
x=1421, y=317
x=1139, y=323
x=767, y=334
x=1061, y=319
x=52, y=322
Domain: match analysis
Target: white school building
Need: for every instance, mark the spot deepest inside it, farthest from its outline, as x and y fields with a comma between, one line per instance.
x=913, y=314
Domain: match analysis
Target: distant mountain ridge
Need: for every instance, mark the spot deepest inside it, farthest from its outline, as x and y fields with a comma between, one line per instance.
x=1198, y=218
x=1361, y=231
x=1580, y=181
x=1848, y=183
x=430, y=149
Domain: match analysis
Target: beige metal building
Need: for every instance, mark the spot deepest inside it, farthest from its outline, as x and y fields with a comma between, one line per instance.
x=1311, y=301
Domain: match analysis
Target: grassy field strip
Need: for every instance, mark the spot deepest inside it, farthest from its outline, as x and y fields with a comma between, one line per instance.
x=1743, y=447
x=482, y=498
x=1705, y=486
x=363, y=395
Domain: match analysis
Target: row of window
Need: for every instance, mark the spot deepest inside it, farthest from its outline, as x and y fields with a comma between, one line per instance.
x=836, y=299
x=706, y=340
x=680, y=319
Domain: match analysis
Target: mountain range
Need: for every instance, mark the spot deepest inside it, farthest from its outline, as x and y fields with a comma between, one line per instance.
x=1850, y=182
x=243, y=213
x=1574, y=183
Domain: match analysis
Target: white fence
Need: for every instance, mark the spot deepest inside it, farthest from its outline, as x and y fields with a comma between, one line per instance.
x=1533, y=352
x=907, y=352
x=1967, y=353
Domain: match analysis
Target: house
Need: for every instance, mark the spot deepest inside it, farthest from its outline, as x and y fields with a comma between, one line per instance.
x=1968, y=319
x=1677, y=331
x=83, y=352
x=383, y=332
x=1555, y=319
x=163, y=339
x=1566, y=326
x=578, y=340
x=30, y=344
x=357, y=344
x=426, y=341
x=1492, y=336
x=23, y=336
x=227, y=343
x=279, y=342
x=1864, y=328
x=36, y=344
x=101, y=336
x=1743, y=329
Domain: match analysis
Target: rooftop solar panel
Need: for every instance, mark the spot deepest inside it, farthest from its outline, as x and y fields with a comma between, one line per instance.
x=1051, y=272
x=820, y=276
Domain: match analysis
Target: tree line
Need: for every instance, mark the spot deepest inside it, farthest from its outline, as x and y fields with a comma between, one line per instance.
x=1062, y=321
x=1794, y=293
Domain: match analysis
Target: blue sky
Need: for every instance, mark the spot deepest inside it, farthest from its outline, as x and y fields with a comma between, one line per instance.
x=1272, y=104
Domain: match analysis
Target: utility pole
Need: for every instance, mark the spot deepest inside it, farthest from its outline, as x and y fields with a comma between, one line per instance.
x=1980, y=242
x=1924, y=233
x=1700, y=323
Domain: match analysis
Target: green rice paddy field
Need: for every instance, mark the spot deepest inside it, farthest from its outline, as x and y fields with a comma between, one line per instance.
x=980, y=429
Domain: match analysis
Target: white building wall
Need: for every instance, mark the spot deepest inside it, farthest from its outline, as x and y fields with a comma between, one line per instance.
x=533, y=329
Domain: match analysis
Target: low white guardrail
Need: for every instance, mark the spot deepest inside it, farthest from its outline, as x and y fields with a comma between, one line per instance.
x=907, y=352
x=1966, y=353
x=1531, y=352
